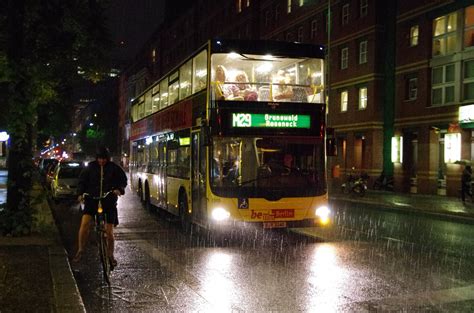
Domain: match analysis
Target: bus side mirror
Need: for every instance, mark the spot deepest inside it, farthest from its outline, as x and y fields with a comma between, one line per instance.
x=331, y=147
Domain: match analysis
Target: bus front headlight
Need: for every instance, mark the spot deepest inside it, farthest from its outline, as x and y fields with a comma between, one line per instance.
x=323, y=213
x=220, y=214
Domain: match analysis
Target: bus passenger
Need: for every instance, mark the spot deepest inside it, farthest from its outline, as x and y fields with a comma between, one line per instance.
x=281, y=90
x=243, y=90
x=223, y=89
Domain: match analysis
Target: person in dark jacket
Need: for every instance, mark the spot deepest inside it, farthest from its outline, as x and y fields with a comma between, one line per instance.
x=94, y=184
x=466, y=183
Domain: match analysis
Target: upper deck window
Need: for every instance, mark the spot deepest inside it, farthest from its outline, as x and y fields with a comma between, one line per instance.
x=266, y=78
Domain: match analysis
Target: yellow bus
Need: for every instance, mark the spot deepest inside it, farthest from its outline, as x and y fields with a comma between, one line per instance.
x=235, y=136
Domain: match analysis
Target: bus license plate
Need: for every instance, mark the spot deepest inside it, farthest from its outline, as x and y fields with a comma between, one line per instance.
x=274, y=224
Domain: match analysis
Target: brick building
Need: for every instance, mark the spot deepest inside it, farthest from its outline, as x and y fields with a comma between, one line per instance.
x=399, y=72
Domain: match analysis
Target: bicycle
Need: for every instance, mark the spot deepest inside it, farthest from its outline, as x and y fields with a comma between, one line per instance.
x=100, y=221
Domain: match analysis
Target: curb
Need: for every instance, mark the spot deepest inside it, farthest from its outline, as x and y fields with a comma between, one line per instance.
x=67, y=297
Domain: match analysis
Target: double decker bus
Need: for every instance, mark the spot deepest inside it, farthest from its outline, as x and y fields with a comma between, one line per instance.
x=235, y=135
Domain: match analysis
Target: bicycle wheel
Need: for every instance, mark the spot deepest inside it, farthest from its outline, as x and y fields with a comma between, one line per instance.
x=104, y=256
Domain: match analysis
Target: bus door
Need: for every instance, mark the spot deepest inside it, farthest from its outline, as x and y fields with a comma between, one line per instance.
x=198, y=181
x=162, y=174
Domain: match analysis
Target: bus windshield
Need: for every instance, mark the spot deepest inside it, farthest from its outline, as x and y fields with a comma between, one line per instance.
x=247, y=77
x=265, y=166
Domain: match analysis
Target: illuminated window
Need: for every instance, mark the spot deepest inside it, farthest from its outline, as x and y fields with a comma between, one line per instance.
x=239, y=6
x=344, y=100
x=199, y=71
x=314, y=28
x=364, y=7
x=301, y=2
x=344, y=57
x=164, y=93
x=414, y=36
x=469, y=27
x=153, y=55
x=444, y=34
x=362, y=98
x=288, y=9
x=248, y=3
x=397, y=149
x=185, y=77
x=442, y=81
x=363, y=52
x=345, y=14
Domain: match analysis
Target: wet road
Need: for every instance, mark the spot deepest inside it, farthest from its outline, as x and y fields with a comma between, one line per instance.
x=368, y=261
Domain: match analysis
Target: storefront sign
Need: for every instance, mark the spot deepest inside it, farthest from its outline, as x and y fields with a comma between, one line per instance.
x=452, y=147
x=466, y=116
x=271, y=120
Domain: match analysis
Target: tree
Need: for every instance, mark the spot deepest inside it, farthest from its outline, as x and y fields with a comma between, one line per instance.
x=45, y=45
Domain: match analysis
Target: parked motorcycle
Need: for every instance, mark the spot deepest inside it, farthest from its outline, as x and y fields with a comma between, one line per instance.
x=355, y=184
x=384, y=182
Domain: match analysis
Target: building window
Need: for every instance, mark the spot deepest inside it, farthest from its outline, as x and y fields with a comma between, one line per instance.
x=267, y=18
x=442, y=85
x=414, y=36
x=444, y=34
x=344, y=57
x=277, y=13
x=363, y=52
x=364, y=8
x=344, y=100
x=239, y=6
x=468, y=80
x=248, y=3
x=314, y=28
x=300, y=34
x=288, y=9
x=301, y=2
x=345, y=14
x=469, y=27
x=412, y=88
x=362, y=98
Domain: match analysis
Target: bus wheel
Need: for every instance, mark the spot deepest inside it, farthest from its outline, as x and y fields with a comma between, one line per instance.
x=183, y=212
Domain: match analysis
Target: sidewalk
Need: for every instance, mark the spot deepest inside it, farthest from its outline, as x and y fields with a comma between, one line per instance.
x=35, y=275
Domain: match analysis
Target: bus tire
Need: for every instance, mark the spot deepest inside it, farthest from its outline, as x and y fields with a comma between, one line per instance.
x=184, y=218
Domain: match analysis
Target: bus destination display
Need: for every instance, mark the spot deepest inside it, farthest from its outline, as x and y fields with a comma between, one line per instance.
x=242, y=120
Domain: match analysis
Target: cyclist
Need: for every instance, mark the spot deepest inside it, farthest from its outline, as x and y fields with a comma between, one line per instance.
x=95, y=184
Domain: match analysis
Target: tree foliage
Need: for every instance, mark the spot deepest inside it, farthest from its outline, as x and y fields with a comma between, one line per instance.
x=45, y=47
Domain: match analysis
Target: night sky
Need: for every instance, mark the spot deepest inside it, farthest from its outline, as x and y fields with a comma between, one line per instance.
x=131, y=22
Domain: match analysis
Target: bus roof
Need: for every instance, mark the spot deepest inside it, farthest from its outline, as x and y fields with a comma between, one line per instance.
x=276, y=48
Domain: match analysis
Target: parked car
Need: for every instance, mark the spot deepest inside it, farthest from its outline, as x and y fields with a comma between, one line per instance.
x=44, y=166
x=65, y=179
